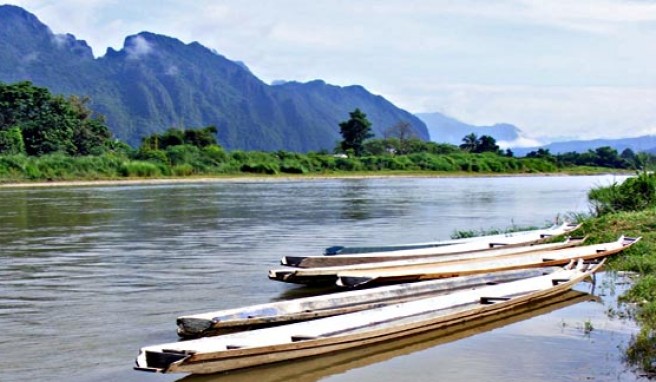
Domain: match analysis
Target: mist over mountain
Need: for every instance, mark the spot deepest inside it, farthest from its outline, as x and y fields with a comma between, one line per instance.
x=445, y=129
x=156, y=82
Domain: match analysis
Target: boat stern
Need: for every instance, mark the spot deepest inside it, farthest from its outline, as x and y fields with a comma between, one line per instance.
x=159, y=360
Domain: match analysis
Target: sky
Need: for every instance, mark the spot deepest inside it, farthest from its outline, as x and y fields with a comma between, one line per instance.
x=557, y=69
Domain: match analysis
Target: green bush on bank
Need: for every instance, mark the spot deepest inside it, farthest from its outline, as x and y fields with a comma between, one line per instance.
x=187, y=160
x=630, y=209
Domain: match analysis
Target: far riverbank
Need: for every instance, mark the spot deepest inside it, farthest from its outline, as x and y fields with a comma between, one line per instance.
x=257, y=178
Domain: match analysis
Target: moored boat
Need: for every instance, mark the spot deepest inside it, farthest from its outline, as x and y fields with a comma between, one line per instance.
x=307, y=308
x=551, y=231
x=450, y=253
x=312, y=369
x=360, y=278
x=264, y=346
x=398, y=272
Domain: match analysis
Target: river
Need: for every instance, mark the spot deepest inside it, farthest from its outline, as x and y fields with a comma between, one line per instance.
x=88, y=275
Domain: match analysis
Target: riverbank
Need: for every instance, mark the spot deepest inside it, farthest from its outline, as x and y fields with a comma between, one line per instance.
x=253, y=178
x=630, y=209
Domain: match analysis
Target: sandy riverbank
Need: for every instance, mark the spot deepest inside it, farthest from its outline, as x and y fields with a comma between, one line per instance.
x=274, y=178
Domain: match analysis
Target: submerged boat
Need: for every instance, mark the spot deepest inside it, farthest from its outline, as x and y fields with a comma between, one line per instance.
x=327, y=335
x=307, y=308
x=453, y=252
x=552, y=231
x=398, y=272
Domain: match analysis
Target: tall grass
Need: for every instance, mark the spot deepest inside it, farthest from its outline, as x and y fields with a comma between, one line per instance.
x=186, y=160
x=635, y=194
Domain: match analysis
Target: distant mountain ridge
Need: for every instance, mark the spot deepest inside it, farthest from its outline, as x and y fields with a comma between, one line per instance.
x=646, y=143
x=445, y=129
x=156, y=82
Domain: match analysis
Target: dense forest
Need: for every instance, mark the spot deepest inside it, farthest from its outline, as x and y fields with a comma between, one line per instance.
x=50, y=137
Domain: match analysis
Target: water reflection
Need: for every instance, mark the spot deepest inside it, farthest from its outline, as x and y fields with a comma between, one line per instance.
x=98, y=272
x=316, y=368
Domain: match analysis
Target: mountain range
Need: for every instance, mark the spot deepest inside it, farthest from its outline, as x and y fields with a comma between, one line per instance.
x=157, y=82
x=646, y=143
x=445, y=129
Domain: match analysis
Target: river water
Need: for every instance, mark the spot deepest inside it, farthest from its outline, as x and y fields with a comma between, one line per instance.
x=88, y=275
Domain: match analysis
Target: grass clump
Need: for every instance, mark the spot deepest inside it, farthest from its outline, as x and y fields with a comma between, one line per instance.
x=630, y=209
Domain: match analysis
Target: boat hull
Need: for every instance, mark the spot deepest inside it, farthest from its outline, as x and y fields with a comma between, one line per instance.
x=412, y=321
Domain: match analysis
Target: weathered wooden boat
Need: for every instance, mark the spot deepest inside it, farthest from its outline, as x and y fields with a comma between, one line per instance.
x=397, y=272
x=331, y=334
x=552, y=231
x=424, y=256
x=302, y=309
x=360, y=278
x=312, y=369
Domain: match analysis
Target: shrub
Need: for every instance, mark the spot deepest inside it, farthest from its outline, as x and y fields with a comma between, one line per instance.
x=260, y=168
x=140, y=169
x=634, y=194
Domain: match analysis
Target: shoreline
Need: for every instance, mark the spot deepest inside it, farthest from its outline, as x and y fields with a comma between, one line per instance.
x=254, y=178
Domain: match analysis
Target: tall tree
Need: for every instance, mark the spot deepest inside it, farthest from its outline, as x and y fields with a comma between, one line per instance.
x=469, y=142
x=486, y=144
x=404, y=132
x=47, y=123
x=354, y=132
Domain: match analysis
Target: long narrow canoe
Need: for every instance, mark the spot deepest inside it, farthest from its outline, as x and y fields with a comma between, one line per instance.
x=302, y=309
x=552, y=231
x=397, y=272
x=313, y=369
x=352, y=279
x=454, y=252
x=331, y=334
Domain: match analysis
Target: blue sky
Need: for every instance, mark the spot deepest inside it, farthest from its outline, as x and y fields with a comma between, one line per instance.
x=557, y=68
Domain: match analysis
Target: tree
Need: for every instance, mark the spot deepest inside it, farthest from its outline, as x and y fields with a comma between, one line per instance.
x=11, y=141
x=175, y=137
x=469, y=142
x=404, y=132
x=486, y=144
x=354, y=132
x=48, y=123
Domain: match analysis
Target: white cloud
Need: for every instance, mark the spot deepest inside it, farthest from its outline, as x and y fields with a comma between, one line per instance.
x=583, y=112
x=559, y=67
x=138, y=47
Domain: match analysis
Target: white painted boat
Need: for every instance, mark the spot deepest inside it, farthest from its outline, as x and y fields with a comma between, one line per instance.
x=360, y=278
x=327, y=335
x=429, y=256
x=398, y=271
x=302, y=309
x=552, y=231
x=313, y=369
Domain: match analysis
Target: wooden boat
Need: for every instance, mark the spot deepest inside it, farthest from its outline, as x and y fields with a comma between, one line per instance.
x=313, y=369
x=359, y=278
x=307, y=308
x=331, y=334
x=423, y=255
x=552, y=231
x=397, y=272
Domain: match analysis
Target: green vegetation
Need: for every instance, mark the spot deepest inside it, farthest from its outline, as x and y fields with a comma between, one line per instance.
x=35, y=122
x=601, y=157
x=355, y=131
x=49, y=137
x=630, y=209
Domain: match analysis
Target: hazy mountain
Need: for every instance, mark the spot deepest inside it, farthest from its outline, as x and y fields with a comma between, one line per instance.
x=445, y=129
x=637, y=144
x=156, y=82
